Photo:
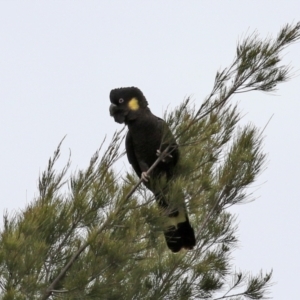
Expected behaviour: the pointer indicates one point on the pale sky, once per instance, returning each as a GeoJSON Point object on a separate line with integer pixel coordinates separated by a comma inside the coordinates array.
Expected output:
{"type": "Point", "coordinates": [60, 59]}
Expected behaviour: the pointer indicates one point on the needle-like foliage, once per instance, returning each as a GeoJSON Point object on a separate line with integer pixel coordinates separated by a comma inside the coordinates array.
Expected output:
{"type": "Point", "coordinates": [102, 238]}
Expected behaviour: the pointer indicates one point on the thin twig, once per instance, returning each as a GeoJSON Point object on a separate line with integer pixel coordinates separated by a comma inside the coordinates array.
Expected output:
{"type": "Point", "coordinates": [161, 157]}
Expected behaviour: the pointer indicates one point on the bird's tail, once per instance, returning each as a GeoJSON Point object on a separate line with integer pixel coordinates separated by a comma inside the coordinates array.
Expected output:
{"type": "Point", "coordinates": [179, 233]}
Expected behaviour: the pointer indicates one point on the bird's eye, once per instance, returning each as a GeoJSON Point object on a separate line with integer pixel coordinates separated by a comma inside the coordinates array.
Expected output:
{"type": "Point", "coordinates": [121, 100]}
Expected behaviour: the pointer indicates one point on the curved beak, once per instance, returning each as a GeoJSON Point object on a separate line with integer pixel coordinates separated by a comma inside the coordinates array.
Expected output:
{"type": "Point", "coordinates": [112, 109]}
{"type": "Point", "coordinates": [117, 113]}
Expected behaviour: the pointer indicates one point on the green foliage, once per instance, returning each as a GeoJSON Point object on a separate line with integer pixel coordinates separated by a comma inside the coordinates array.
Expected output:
{"type": "Point", "coordinates": [102, 239]}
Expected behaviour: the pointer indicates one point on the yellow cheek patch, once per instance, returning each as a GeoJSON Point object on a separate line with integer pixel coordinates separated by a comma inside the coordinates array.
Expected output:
{"type": "Point", "coordinates": [133, 104]}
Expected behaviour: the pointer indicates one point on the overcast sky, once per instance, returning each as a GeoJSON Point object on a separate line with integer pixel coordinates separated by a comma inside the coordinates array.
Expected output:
{"type": "Point", "coordinates": [60, 59]}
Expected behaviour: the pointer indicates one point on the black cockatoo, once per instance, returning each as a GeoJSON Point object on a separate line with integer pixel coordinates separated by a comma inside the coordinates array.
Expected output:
{"type": "Point", "coordinates": [148, 136]}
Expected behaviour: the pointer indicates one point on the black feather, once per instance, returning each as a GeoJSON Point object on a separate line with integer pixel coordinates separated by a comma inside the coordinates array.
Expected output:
{"type": "Point", "coordinates": [147, 134]}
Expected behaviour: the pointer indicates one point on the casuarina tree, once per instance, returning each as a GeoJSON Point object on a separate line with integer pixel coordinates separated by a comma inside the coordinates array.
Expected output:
{"type": "Point", "coordinates": [98, 233]}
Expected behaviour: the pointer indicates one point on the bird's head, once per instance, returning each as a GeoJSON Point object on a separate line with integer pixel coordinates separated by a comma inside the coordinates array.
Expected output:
{"type": "Point", "coordinates": [126, 104]}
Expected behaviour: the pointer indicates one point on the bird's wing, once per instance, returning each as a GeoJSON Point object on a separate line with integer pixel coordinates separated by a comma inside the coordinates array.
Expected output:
{"type": "Point", "coordinates": [131, 154]}
{"type": "Point", "coordinates": [167, 139]}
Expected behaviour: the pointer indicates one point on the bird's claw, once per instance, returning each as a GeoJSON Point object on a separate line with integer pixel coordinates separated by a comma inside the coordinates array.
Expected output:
{"type": "Point", "coordinates": [145, 176]}
{"type": "Point", "coordinates": [166, 157]}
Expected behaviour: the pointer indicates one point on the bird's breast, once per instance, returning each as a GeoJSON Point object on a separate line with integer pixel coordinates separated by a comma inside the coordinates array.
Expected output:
{"type": "Point", "coordinates": [146, 139]}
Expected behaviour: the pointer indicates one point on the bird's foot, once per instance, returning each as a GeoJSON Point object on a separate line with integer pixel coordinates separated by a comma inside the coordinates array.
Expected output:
{"type": "Point", "coordinates": [166, 157]}
{"type": "Point", "coordinates": [145, 176]}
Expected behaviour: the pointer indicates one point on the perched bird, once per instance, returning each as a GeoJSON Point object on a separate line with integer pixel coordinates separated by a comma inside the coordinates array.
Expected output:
{"type": "Point", "coordinates": [148, 136]}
